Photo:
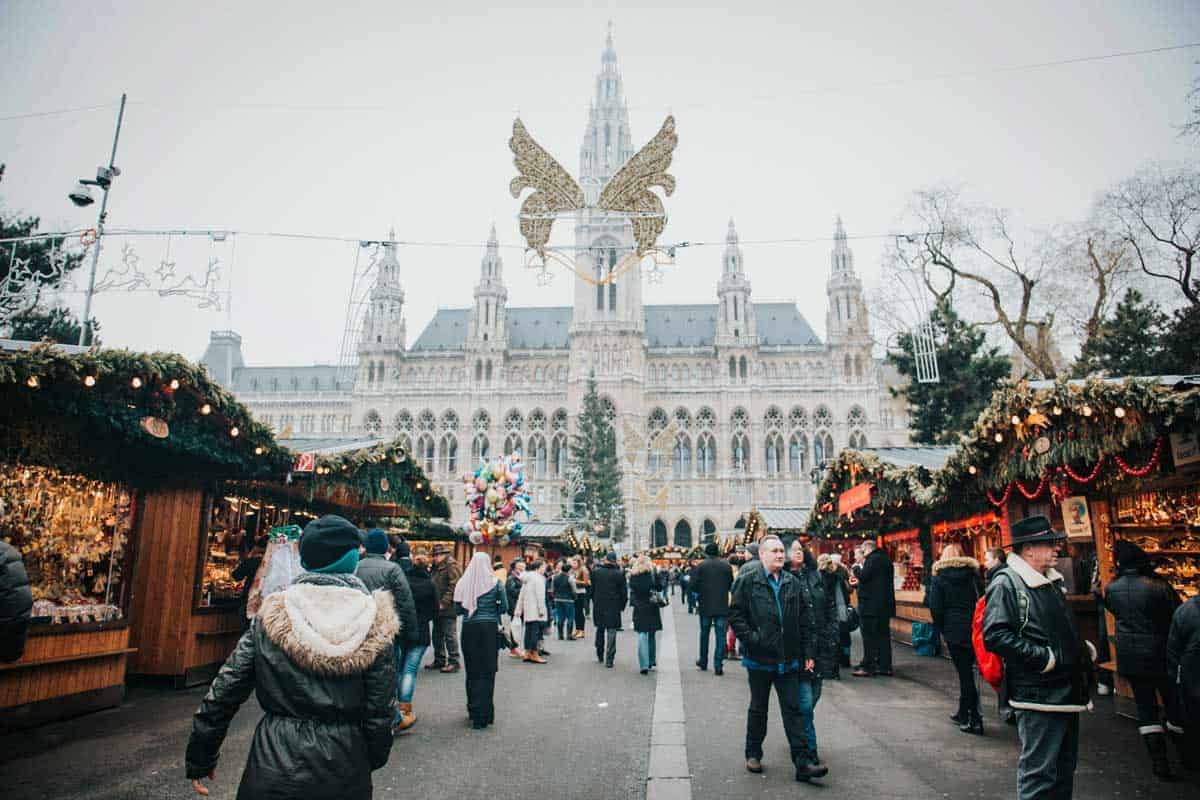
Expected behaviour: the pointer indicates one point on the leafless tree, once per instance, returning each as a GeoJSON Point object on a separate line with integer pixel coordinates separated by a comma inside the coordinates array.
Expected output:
{"type": "Point", "coordinates": [1191, 128]}
{"type": "Point", "coordinates": [1157, 212]}
{"type": "Point", "coordinates": [973, 253]}
{"type": "Point", "coordinates": [1095, 267]}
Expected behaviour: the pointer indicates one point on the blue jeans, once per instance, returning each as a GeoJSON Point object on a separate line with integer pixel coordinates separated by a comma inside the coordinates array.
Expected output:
{"type": "Point", "coordinates": [707, 624]}
{"type": "Point", "coordinates": [646, 646]}
{"type": "Point", "coordinates": [564, 616]}
{"type": "Point", "coordinates": [691, 601]}
{"type": "Point", "coordinates": [408, 664]}
{"type": "Point", "coordinates": [809, 694]}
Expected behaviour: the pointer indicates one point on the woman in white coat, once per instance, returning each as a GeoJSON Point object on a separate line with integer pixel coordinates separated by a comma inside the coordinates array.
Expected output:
{"type": "Point", "coordinates": [531, 608]}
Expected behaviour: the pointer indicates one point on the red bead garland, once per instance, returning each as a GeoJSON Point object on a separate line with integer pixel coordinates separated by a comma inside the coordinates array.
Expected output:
{"type": "Point", "coordinates": [1141, 472]}
{"type": "Point", "coordinates": [1091, 476]}
{"type": "Point", "coordinates": [1037, 492]}
{"type": "Point", "coordinates": [1003, 501]}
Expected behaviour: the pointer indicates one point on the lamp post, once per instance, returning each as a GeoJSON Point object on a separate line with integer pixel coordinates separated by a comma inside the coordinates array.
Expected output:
{"type": "Point", "coordinates": [81, 196]}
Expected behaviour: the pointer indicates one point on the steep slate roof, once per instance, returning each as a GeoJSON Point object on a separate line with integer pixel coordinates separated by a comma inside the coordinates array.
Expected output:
{"type": "Point", "coordinates": [244, 377]}
{"type": "Point", "coordinates": [666, 326]}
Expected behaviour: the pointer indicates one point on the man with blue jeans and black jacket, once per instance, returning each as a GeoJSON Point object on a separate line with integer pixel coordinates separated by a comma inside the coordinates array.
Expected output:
{"type": "Point", "coordinates": [711, 582]}
{"type": "Point", "coordinates": [1047, 667]}
{"type": "Point", "coordinates": [775, 624]}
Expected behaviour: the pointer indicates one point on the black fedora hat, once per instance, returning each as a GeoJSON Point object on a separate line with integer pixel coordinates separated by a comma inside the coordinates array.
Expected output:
{"type": "Point", "coordinates": [1034, 529]}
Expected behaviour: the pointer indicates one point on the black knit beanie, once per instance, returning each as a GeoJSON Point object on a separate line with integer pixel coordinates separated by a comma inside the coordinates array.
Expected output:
{"type": "Point", "coordinates": [327, 539]}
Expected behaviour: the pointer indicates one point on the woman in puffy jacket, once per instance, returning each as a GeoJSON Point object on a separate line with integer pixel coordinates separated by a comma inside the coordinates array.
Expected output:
{"type": "Point", "coordinates": [319, 658]}
{"type": "Point", "coordinates": [1143, 604]}
{"type": "Point", "coordinates": [953, 590]}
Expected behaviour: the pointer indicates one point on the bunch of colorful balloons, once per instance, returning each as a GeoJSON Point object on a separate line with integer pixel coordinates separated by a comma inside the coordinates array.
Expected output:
{"type": "Point", "coordinates": [494, 494]}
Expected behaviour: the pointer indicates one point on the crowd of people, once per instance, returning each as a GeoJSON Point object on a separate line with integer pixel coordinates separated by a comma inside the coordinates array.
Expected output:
{"type": "Point", "coordinates": [334, 658]}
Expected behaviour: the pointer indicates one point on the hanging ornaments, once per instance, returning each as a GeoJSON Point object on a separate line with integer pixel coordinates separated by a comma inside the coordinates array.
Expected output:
{"type": "Point", "coordinates": [494, 494]}
{"type": "Point", "coordinates": [1141, 472]}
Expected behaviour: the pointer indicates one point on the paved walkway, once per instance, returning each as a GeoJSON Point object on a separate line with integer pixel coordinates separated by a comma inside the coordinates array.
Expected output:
{"type": "Point", "coordinates": [573, 729]}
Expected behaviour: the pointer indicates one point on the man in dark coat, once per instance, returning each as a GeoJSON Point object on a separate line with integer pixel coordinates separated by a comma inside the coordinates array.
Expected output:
{"type": "Point", "coordinates": [610, 594]}
{"type": "Point", "coordinates": [1183, 665]}
{"type": "Point", "coordinates": [711, 582]}
{"type": "Point", "coordinates": [326, 710]}
{"type": "Point", "coordinates": [1143, 604]}
{"type": "Point", "coordinates": [16, 603]}
{"type": "Point", "coordinates": [1047, 667]}
{"type": "Point", "coordinates": [775, 625]}
{"type": "Point", "coordinates": [445, 630]}
{"type": "Point", "coordinates": [377, 571]}
{"type": "Point", "coordinates": [876, 607]}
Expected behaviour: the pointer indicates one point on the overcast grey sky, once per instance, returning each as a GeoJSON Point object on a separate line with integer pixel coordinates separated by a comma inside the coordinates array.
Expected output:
{"type": "Point", "coordinates": [303, 118]}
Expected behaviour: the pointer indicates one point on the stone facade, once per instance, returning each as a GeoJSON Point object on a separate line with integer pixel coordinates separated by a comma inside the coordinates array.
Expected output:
{"type": "Point", "coordinates": [757, 398]}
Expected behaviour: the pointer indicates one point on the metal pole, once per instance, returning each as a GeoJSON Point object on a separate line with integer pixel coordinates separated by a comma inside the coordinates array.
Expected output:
{"type": "Point", "coordinates": [91, 289]}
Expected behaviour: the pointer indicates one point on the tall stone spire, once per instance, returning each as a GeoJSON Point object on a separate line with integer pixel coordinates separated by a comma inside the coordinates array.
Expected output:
{"type": "Point", "coordinates": [381, 346]}
{"type": "Point", "coordinates": [607, 143]}
{"type": "Point", "coordinates": [735, 319]}
{"type": "Point", "coordinates": [486, 329]}
{"type": "Point", "coordinates": [841, 259]}
{"type": "Point", "coordinates": [846, 319]}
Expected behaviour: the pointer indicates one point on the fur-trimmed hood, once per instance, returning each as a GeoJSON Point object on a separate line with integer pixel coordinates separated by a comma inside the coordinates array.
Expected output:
{"type": "Point", "coordinates": [955, 561]}
{"type": "Point", "coordinates": [330, 630]}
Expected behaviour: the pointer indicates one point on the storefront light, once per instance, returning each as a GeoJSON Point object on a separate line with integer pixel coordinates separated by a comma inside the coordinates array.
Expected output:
{"type": "Point", "coordinates": [89, 381]}
{"type": "Point", "coordinates": [136, 382]}
{"type": "Point", "coordinates": [32, 382]}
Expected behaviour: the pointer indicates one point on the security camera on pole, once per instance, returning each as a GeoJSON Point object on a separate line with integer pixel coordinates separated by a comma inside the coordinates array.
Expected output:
{"type": "Point", "coordinates": [81, 196]}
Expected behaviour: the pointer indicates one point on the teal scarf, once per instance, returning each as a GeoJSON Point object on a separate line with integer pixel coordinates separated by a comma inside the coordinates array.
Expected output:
{"type": "Point", "coordinates": [343, 566]}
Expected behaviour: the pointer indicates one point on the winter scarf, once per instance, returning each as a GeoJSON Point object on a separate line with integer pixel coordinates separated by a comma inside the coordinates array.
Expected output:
{"type": "Point", "coordinates": [475, 582]}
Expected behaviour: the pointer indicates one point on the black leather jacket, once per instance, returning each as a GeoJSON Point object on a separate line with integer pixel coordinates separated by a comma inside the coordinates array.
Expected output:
{"type": "Point", "coordinates": [16, 600]}
{"type": "Point", "coordinates": [1028, 623]}
{"type": "Point", "coordinates": [1142, 605]}
{"type": "Point", "coordinates": [756, 621]}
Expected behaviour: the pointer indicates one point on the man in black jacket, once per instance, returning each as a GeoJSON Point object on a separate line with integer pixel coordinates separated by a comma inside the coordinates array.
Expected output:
{"type": "Point", "coordinates": [776, 626]}
{"type": "Point", "coordinates": [610, 594]}
{"type": "Point", "coordinates": [711, 582]}
{"type": "Point", "coordinates": [1028, 623]}
{"type": "Point", "coordinates": [876, 607]}
{"type": "Point", "coordinates": [16, 603]}
{"type": "Point", "coordinates": [377, 571]}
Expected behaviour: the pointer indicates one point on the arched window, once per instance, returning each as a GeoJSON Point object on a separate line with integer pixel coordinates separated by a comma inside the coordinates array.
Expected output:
{"type": "Point", "coordinates": [797, 453]}
{"type": "Point", "coordinates": [512, 421]}
{"type": "Point", "coordinates": [372, 423]}
{"type": "Point", "coordinates": [512, 444]}
{"type": "Point", "coordinates": [448, 453]}
{"type": "Point", "coordinates": [450, 422]}
{"type": "Point", "coordinates": [858, 440]}
{"type": "Point", "coordinates": [822, 448]}
{"type": "Point", "coordinates": [846, 366]}
{"type": "Point", "coordinates": [681, 457]}
{"type": "Point", "coordinates": [426, 421]}
{"type": "Point", "coordinates": [742, 368]}
{"type": "Point", "coordinates": [655, 423]}
{"type": "Point", "coordinates": [425, 452]}
{"type": "Point", "coordinates": [706, 455]}
{"type": "Point", "coordinates": [481, 421]}
{"type": "Point", "coordinates": [558, 422]}
{"type": "Point", "coordinates": [857, 418]}
{"type": "Point", "coordinates": [404, 422]}
{"type": "Point", "coordinates": [706, 420]}
{"type": "Point", "coordinates": [537, 420]}
{"type": "Point", "coordinates": [538, 455]}
{"type": "Point", "coordinates": [858, 368]}
{"type": "Point", "coordinates": [774, 454]}
{"type": "Point", "coordinates": [683, 533]}
{"type": "Point", "coordinates": [683, 419]}
{"type": "Point", "coordinates": [773, 419]}
{"type": "Point", "coordinates": [739, 448]}
{"type": "Point", "coordinates": [732, 368]}
{"type": "Point", "coordinates": [478, 370]}
{"type": "Point", "coordinates": [558, 455]}
{"type": "Point", "coordinates": [708, 531]}
{"type": "Point", "coordinates": [798, 418]}
{"type": "Point", "coordinates": [608, 407]}
{"type": "Point", "coordinates": [371, 372]}
{"type": "Point", "coordinates": [480, 448]}
{"type": "Point", "coordinates": [658, 534]}
{"type": "Point", "coordinates": [823, 418]}
{"type": "Point", "coordinates": [487, 372]}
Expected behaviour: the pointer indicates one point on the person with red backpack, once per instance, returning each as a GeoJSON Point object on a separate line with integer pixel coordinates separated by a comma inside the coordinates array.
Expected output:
{"type": "Point", "coordinates": [953, 590]}
{"type": "Point", "coordinates": [1047, 666]}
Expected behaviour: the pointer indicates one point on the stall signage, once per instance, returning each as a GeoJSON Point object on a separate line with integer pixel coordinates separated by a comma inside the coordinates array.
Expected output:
{"type": "Point", "coordinates": [305, 462]}
{"type": "Point", "coordinates": [1185, 448]}
{"type": "Point", "coordinates": [854, 498]}
{"type": "Point", "coordinates": [1076, 520]}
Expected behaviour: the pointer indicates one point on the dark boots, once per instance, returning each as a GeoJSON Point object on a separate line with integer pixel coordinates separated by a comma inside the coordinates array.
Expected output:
{"type": "Point", "coordinates": [1156, 745]}
{"type": "Point", "coordinates": [807, 768]}
{"type": "Point", "coordinates": [973, 723]}
{"type": "Point", "coordinates": [1189, 756]}
{"type": "Point", "coordinates": [963, 715]}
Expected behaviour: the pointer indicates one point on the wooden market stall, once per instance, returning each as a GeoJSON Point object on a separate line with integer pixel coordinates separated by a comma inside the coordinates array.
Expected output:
{"type": "Point", "coordinates": [103, 456]}
{"type": "Point", "coordinates": [1104, 460]}
{"type": "Point", "coordinates": [549, 540]}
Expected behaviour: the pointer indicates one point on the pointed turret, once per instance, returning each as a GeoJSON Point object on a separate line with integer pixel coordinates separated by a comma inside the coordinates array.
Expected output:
{"type": "Point", "coordinates": [607, 142]}
{"type": "Point", "coordinates": [847, 326]}
{"type": "Point", "coordinates": [735, 322]}
{"type": "Point", "coordinates": [381, 346]}
{"type": "Point", "coordinates": [486, 329]}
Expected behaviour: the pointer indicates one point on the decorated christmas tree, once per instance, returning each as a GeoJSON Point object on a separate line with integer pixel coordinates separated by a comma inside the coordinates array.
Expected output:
{"type": "Point", "coordinates": [593, 452]}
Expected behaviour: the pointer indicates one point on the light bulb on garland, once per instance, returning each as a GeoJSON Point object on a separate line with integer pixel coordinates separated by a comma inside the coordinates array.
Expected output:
{"type": "Point", "coordinates": [974, 470]}
{"type": "Point", "coordinates": [999, 437]}
{"type": "Point", "coordinates": [1119, 412]}
{"type": "Point", "coordinates": [234, 431]}
{"type": "Point", "coordinates": [1086, 410]}
{"type": "Point", "coordinates": [174, 384]}
{"type": "Point", "coordinates": [136, 382]}
{"type": "Point", "coordinates": [89, 381]}
{"type": "Point", "coordinates": [258, 451]}
{"type": "Point", "coordinates": [1057, 411]}
{"type": "Point", "coordinates": [1015, 420]}
{"type": "Point", "coordinates": [205, 410]}
{"type": "Point", "coordinates": [32, 382]}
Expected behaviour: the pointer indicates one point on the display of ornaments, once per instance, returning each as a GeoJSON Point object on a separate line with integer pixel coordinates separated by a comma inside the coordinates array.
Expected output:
{"type": "Point", "coordinates": [494, 494]}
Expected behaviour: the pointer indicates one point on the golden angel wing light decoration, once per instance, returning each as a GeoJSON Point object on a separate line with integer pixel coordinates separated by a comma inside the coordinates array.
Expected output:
{"type": "Point", "coordinates": [627, 193]}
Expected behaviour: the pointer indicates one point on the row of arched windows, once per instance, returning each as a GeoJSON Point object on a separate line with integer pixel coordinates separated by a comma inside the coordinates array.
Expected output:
{"type": "Point", "coordinates": [682, 533]}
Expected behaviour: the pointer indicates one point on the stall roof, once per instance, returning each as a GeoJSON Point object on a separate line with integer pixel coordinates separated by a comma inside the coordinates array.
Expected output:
{"type": "Point", "coordinates": [544, 530]}
{"type": "Point", "coordinates": [784, 517]}
{"type": "Point", "coordinates": [1176, 381]}
{"type": "Point", "coordinates": [931, 457]}
{"type": "Point", "coordinates": [328, 447]}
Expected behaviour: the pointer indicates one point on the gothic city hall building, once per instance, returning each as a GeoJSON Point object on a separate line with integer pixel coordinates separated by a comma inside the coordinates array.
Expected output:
{"type": "Point", "coordinates": [754, 399]}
